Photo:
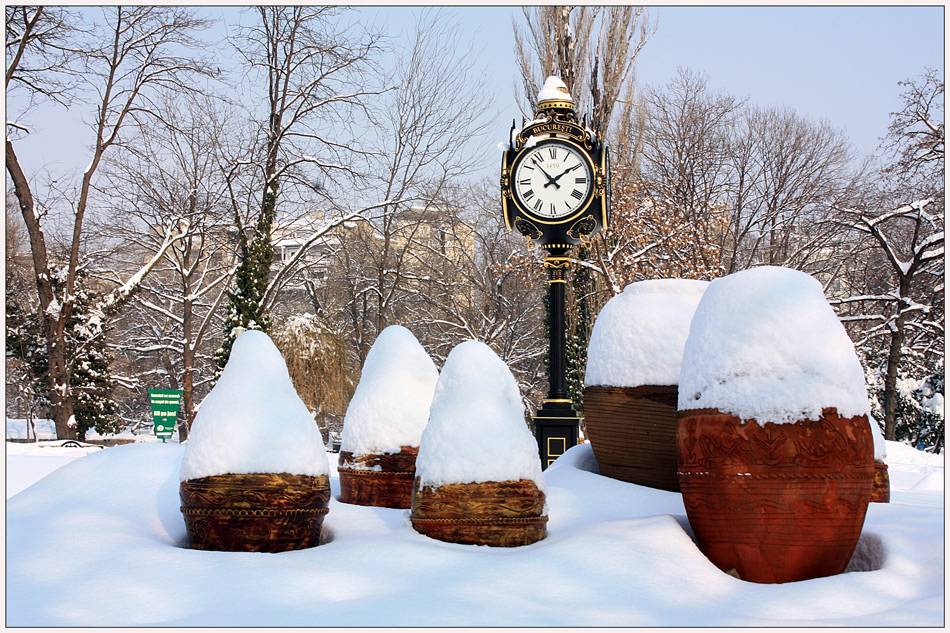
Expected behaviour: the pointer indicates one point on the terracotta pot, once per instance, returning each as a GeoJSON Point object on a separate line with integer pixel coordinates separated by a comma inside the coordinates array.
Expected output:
{"type": "Point", "coordinates": [633, 433]}
{"type": "Point", "coordinates": [388, 487]}
{"type": "Point", "coordinates": [775, 502]}
{"type": "Point", "coordinates": [881, 491]}
{"type": "Point", "coordinates": [264, 512]}
{"type": "Point", "coordinates": [499, 514]}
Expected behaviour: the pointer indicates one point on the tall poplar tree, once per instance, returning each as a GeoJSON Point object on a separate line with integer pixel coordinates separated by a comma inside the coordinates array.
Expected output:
{"type": "Point", "coordinates": [593, 50]}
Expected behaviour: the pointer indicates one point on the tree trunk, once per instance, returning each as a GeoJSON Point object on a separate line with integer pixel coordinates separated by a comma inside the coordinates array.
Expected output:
{"type": "Point", "coordinates": [188, 381]}
{"type": "Point", "coordinates": [60, 396]}
{"type": "Point", "coordinates": [893, 361]}
{"type": "Point", "coordinates": [53, 321]}
{"type": "Point", "coordinates": [187, 398]}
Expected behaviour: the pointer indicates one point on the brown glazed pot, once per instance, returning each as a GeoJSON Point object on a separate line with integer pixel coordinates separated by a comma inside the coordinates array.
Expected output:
{"type": "Point", "coordinates": [633, 433]}
{"type": "Point", "coordinates": [495, 513]}
{"type": "Point", "coordinates": [390, 487]}
{"type": "Point", "coordinates": [262, 512]}
{"type": "Point", "coordinates": [881, 491]}
{"type": "Point", "coordinates": [775, 502]}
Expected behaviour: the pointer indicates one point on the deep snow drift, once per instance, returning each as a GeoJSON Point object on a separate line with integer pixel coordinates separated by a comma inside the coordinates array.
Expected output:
{"type": "Point", "coordinates": [95, 543]}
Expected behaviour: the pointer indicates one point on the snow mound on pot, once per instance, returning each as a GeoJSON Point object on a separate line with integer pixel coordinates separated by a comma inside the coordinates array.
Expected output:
{"type": "Point", "coordinates": [477, 429]}
{"type": "Point", "coordinates": [639, 335]}
{"type": "Point", "coordinates": [253, 421]}
{"type": "Point", "coordinates": [391, 405]}
{"type": "Point", "coordinates": [765, 344]}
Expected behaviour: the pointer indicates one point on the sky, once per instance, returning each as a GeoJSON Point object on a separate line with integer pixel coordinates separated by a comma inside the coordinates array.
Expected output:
{"type": "Point", "coordinates": [839, 63]}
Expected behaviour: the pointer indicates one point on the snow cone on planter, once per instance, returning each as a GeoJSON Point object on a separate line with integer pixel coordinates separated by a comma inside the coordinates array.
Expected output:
{"type": "Point", "coordinates": [255, 475]}
{"type": "Point", "coordinates": [633, 368]}
{"type": "Point", "coordinates": [385, 420]}
{"type": "Point", "coordinates": [478, 477]}
{"type": "Point", "coordinates": [775, 452]}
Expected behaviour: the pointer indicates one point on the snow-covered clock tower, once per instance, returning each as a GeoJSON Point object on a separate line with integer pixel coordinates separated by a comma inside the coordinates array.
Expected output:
{"type": "Point", "coordinates": [555, 191]}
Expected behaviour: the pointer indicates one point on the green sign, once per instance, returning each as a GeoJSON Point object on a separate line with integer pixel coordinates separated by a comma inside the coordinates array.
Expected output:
{"type": "Point", "coordinates": [165, 403]}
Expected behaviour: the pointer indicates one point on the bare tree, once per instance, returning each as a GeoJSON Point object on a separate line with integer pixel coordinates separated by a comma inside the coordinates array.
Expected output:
{"type": "Point", "coordinates": [469, 284]}
{"type": "Point", "coordinates": [171, 173]}
{"type": "Point", "coordinates": [40, 53]}
{"type": "Point", "coordinates": [119, 64]}
{"type": "Point", "coordinates": [302, 64]}
{"type": "Point", "coordinates": [902, 304]}
{"type": "Point", "coordinates": [686, 143]}
{"type": "Point", "coordinates": [425, 132]}
{"type": "Point", "coordinates": [592, 49]}
{"type": "Point", "coordinates": [787, 173]}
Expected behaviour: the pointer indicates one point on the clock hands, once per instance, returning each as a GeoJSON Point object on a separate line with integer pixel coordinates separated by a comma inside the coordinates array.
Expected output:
{"type": "Point", "coordinates": [556, 178]}
{"type": "Point", "coordinates": [551, 181]}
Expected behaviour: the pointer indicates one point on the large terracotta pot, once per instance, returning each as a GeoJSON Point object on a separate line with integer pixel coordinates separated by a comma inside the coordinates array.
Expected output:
{"type": "Point", "coordinates": [881, 491]}
{"type": "Point", "coordinates": [389, 487]}
{"type": "Point", "coordinates": [633, 433]}
{"type": "Point", "coordinates": [271, 512]}
{"type": "Point", "coordinates": [499, 514]}
{"type": "Point", "coordinates": [775, 502]}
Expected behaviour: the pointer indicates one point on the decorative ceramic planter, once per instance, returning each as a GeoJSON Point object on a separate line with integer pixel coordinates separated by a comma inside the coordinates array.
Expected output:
{"type": "Point", "coordinates": [389, 487]}
{"type": "Point", "coordinates": [633, 433]}
{"type": "Point", "coordinates": [263, 512]}
{"type": "Point", "coordinates": [499, 514]}
{"type": "Point", "coordinates": [881, 491]}
{"type": "Point", "coordinates": [775, 503]}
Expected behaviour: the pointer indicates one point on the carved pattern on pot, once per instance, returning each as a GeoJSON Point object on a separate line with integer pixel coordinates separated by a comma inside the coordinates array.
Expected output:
{"type": "Point", "coordinates": [632, 431]}
{"type": "Point", "coordinates": [259, 512]}
{"type": "Point", "coordinates": [499, 514]}
{"type": "Point", "coordinates": [775, 502]}
{"type": "Point", "coordinates": [390, 487]}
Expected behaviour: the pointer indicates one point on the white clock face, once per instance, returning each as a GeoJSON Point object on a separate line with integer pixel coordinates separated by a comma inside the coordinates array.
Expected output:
{"type": "Point", "coordinates": [552, 180]}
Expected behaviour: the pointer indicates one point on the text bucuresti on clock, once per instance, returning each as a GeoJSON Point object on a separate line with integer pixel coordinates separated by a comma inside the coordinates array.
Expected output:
{"type": "Point", "coordinates": [555, 183]}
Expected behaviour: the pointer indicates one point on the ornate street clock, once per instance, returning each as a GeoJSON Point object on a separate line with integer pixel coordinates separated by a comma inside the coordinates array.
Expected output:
{"type": "Point", "coordinates": [555, 182]}
{"type": "Point", "coordinates": [555, 191]}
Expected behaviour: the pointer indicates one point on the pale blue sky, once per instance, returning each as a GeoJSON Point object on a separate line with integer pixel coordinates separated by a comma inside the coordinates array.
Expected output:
{"type": "Point", "coordinates": [838, 63]}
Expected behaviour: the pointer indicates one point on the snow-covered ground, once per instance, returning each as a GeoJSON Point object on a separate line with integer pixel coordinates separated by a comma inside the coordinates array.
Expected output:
{"type": "Point", "coordinates": [96, 542]}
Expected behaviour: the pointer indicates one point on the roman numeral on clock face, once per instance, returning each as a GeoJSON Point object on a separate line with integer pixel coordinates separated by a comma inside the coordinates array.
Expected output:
{"type": "Point", "coordinates": [577, 194]}
{"type": "Point", "coordinates": [553, 153]}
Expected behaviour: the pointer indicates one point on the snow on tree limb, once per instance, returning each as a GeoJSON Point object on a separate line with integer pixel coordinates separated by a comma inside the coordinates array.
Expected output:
{"type": "Point", "coordinates": [132, 283]}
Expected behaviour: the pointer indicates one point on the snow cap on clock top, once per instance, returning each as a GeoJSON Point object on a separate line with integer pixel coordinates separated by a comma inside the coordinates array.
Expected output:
{"type": "Point", "coordinates": [554, 90]}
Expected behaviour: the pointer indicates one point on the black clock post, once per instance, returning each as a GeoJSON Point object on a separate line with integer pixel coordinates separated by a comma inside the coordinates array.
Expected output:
{"type": "Point", "coordinates": [555, 187]}
{"type": "Point", "coordinates": [556, 422]}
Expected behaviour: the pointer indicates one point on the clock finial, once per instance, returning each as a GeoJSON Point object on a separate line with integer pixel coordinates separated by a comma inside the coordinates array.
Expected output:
{"type": "Point", "coordinates": [555, 95]}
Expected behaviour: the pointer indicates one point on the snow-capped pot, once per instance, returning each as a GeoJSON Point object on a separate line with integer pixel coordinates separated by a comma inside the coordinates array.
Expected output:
{"type": "Point", "coordinates": [633, 367]}
{"type": "Point", "coordinates": [384, 421]}
{"type": "Point", "coordinates": [255, 474]}
{"type": "Point", "coordinates": [478, 476]}
{"type": "Point", "coordinates": [775, 451]}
